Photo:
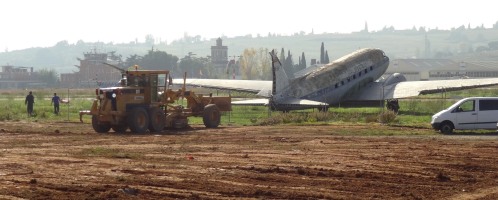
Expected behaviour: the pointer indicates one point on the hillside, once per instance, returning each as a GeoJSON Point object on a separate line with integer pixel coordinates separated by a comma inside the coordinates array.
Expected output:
{"type": "Point", "coordinates": [396, 43]}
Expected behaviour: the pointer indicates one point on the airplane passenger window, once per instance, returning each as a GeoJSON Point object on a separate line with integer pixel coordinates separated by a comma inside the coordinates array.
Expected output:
{"type": "Point", "coordinates": [366, 71]}
{"type": "Point", "coordinates": [359, 74]}
{"type": "Point", "coordinates": [336, 85]}
{"type": "Point", "coordinates": [354, 76]}
{"type": "Point", "coordinates": [371, 68]}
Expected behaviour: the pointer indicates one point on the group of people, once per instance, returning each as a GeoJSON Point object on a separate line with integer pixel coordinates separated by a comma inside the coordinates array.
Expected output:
{"type": "Point", "coordinates": [30, 101]}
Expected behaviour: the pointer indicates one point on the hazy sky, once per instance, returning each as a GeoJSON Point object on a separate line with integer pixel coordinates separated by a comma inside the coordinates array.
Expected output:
{"type": "Point", "coordinates": [43, 23]}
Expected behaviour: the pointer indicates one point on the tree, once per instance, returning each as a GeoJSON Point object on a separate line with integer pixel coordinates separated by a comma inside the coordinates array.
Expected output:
{"type": "Point", "coordinates": [247, 63]}
{"type": "Point", "coordinates": [48, 76]}
{"type": "Point", "coordinates": [255, 64]}
{"type": "Point", "coordinates": [133, 60]}
{"type": "Point", "coordinates": [326, 58]}
{"type": "Point", "coordinates": [302, 63]}
{"type": "Point", "coordinates": [195, 67]}
{"type": "Point", "coordinates": [114, 57]}
{"type": "Point", "coordinates": [289, 65]}
{"type": "Point", "coordinates": [322, 53]}
{"type": "Point", "coordinates": [282, 55]}
{"type": "Point", "coordinates": [493, 45]}
{"type": "Point", "coordinates": [265, 64]}
{"type": "Point", "coordinates": [303, 59]}
{"type": "Point", "coordinates": [62, 43]}
{"type": "Point", "coordinates": [158, 60]}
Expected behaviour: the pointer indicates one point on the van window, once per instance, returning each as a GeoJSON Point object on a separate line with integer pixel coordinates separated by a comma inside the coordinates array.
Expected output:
{"type": "Point", "coordinates": [467, 106]}
{"type": "Point", "coordinates": [488, 104]}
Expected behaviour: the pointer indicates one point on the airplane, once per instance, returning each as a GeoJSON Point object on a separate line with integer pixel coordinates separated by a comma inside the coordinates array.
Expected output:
{"type": "Point", "coordinates": [351, 78]}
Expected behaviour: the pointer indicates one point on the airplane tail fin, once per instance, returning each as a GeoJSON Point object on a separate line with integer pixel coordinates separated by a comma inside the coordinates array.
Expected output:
{"type": "Point", "coordinates": [280, 79]}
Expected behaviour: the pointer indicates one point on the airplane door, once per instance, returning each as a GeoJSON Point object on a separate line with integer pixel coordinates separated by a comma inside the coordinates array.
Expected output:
{"type": "Point", "coordinates": [466, 115]}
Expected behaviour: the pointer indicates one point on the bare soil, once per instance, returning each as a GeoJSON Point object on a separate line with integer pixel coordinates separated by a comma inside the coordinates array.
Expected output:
{"type": "Point", "coordinates": [71, 161]}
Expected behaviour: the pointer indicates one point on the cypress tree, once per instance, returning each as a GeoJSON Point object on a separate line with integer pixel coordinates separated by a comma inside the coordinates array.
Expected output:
{"type": "Point", "coordinates": [322, 54]}
{"type": "Point", "coordinates": [289, 65]}
{"type": "Point", "coordinates": [326, 59]}
{"type": "Point", "coordinates": [282, 56]}
{"type": "Point", "coordinates": [303, 61]}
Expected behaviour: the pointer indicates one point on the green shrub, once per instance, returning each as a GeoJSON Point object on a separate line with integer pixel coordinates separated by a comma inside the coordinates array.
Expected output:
{"type": "Point", "coordinates": [387, 117]}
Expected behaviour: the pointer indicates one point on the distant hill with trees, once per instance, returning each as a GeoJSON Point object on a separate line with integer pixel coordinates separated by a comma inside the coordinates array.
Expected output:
{"type": "Point", "coordinates": [192, 53]}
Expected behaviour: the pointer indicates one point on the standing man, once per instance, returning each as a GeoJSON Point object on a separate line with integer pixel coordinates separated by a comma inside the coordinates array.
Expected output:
{"type": "Point", "coordinates": [55, 102]}
{"type": "Point", "coordinates": [30, 100]}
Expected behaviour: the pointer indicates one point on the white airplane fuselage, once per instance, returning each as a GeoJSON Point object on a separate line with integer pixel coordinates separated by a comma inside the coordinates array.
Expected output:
{"type": "Point", "coordinates": [333, 82]}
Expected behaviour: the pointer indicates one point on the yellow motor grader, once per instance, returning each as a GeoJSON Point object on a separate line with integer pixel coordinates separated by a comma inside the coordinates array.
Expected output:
{"type": "Point", "coordinates": [145, 102]}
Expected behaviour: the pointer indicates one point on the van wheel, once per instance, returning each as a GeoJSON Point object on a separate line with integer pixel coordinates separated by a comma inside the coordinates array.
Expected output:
{"type": "Point", "coordinates": [446, 128]}
{"type": "Point", "coordinates": [211, 116]}
{"type": "Point", "coordinates": [138, 120]}
{"type": "Point", "coordinates": [99, 127]}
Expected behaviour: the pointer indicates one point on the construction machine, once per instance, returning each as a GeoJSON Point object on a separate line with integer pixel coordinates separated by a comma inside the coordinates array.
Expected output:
{"type": "Point", "coordinates": [145, 102]}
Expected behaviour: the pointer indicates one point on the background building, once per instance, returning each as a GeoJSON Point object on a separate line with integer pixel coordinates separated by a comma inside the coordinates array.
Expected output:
{"type": "Point", "coordinates": [219, 56]}
{"type": "Point", "coordinates": [18, 77]}
{"type": "Point", "coordinates": [93, 72]}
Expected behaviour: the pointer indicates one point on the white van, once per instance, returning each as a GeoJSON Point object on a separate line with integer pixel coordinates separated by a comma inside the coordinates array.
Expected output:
{"type": "Point", "coordinates": [467, 114]}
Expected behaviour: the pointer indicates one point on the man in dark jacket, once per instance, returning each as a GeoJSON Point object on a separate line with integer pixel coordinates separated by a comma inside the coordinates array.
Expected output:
{"type": "Point", "coordinates": [30, 100]}
{"type": "Point", "coordinates": [55, 101]}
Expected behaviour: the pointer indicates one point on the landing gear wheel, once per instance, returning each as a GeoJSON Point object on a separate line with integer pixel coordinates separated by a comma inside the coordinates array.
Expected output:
{"type": "Point", "coordinates": [99, 127]}
{"type": "Point", "coordinates": [446, 128]}
{"type": "Point", "coordinates": [211, 116]}
{"type": "Point", "coordinates": [138, 120]}
{"type": "Point", "coordinates": [120, 128]}
{"type": "Point", "coordinates": [157, 119]}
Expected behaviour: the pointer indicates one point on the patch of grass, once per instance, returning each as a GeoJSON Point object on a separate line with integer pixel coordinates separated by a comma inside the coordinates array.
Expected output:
{"type": "Point", "coordinates": [413, 112]}
{"type": "Point", "coordinates": [13, 108]}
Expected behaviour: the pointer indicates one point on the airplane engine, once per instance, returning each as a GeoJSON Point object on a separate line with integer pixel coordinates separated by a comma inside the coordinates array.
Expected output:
{"type": "Point", "coordinates": [394, 78]}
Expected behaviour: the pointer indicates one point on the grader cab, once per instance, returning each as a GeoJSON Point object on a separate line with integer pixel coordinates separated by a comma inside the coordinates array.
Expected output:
{"type": "Point", "coordinates": [145, 102]}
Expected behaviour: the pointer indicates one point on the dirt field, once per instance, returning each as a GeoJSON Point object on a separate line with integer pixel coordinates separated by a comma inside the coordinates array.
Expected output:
{"type": "Point", "coordinates": [70, 161]}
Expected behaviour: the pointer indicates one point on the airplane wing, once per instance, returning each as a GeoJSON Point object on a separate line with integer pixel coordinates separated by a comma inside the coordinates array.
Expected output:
{"type": "Point", "coordinates": [286, 104]}
{"type": "Point", "coordinates": [292, 101]}
{"type": "Point", "coordinates": [377, 91]}
{"type": "Point", "coordinates": [262, 88]}
{"type": "Point", "coordinates": [251, 102]}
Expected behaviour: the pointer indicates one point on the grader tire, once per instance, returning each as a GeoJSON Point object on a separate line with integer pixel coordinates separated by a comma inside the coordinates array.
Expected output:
{"type": "Point", "coordinates": [99, 127]}
{"type": "Point", "coordinates": [211, 116]}
{"type": "Point", "coordinates": [138, 120]}
{"type": "Point", "coordinates": [119, 128]}
{"type": "Point", "coordinates": [157, 119]}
